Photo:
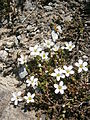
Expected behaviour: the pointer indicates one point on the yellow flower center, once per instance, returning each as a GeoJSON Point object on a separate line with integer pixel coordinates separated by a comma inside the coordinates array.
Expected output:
{"type": "Point", "coordinates": [32, 81]}
{"type": "Point", "coordinates": [48, 43]}
{"type": "Point", "coordinates": [35, 50]}
{"type": "Point", "coordinates": [30, 98]}
{"type": "Point", "coordinates": [70, 47]}
{"type": "Point", "coordinates": [81, 66]}
{"type": "Point", "coordinates": [44, 55]}
{"type": "Point", "coordinates": [59, 87]}
{"type": "Point", "coordinates": [58, 74]}
{"type": "Point", "coordinates": [68, 71]}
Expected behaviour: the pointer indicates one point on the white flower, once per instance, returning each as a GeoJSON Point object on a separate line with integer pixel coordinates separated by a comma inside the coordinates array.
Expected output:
{"type": "Point", "coordinates": [33, 81]}
{"type": "Point", "coordinates": [60, 88]}
{"type": "Point", "coordinates": [22, 59]}
{"type": "Point", "coordinates": [55, 48]}
{"type": "Point", "coordinates": [48, 43]}
{"type": "Point", "coordinates": [59, 29]}
{"type": "Point", "coordinates": [29, 97]}
{"type": "Point", "coordinates": [54, 35]}
{"type": "Point", "coordinates": [81, 65]}
{"type": "Point", "coordinates": [58, 73]}
{"type": "Point", "coordinates": [69, 46]}
{"type": "Point", "coordinates": [35, 50]}
{"type": "Point", "coordinates": [68, 70]}
{"type": "Point", "coordinates": [16, 97]}
{"type": "Point", "coordinates": [44, 55]}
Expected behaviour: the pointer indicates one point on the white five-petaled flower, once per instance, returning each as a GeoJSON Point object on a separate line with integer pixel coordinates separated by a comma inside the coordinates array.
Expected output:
{"type": "Point", "coordinates": [69, 46]}
{"type": "Point", "coordinates": [22, 59]}
{"type": "Point", "coordinates": [16, 97]}
{"type": "Point", "coordinates": [44, 55]}
{"type": "Point", "coordinates": [32, 81]}
{"type": "Point", "coordinates": [60, 88]}
{"type": "Point", "coordinates": [55, 48]}
{"type": "Point", "coordinates": [29, 97]}
{"type": "Point", "coordinates": [35, 50]}
{"type": "Point", "coordinates": [58, 73]}
{"type": "Point", "coordinates": [48, 43]}
{"type": "Point", "coordinates": [81, 65]}
{"type": "Point", "coordinates": [54, 35]}
{"type": "Point", "coordinates": [68, 70]}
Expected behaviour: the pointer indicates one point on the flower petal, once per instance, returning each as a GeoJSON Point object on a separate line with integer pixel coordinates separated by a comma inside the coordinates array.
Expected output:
{"type": "Point", "coordinates": [77, 64]}
{"type": "Point", "coordinates": [56, 85]}
{"type": "Point", "coordinates": [25, 97]}
{"type": "Point", "coordinates": [32, 100]}
{"type": "Point", "coordinates": [62, 91]}
{"type": "Point", "coordinates": [32, 77]}
{"type": "Point", "coordinates": [85, 68]}
{"type": "Point", "coordinates": [54, 36]}
{"type": "Point", "coordinates": [31, 48]}
{"type": "Point", "coordinates": [71, 72]}
{"type": "Point", "coordinates": [62, 76]}
{"type": "Point", "coordinates": [58, 78]}
{"type": "Point", "coordinates": [61, 83]}
{"type": "Point", "coordinates": [85, 64]}
{"type": "Point", "coordinates": [57, 91]}
{"type": "Point", "coordinates": [79, 70]}
{"type": "Point", "coordinates": [12, 99]}
{"type": "Point", "coordinates": [53, 74]}
{"type": "Point", "coordinates": [28, 94]}
{"type": "Point", "coordinates": [66, 43]}
{"type": "Point", "coordinates": [80, 61]}
{"type": "Point", "coordinates": [70, 43]}
{"type": "Point", "coordinates": [70, 67]}
{"type": "Point", "coordinates": [28, 101]}
{"type": "Point", "coordinates": [67, 74]}
{"type": "Point", "coordinates": [56, 71]}
{"type": "Point", "coordinates": [36, 79]}
{"type": "Point", "coordinates": [16, 102]}
{"type": "Point", "coordinates": [65, 67]}
{"type": "Point", "coordinates": [64, 87]}
{"type": "Point", "coordinates": [33, 95]}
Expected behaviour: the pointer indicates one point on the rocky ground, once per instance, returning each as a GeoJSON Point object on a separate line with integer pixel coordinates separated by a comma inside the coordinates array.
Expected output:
{"type": "Point", "coordinates": [28, 29]}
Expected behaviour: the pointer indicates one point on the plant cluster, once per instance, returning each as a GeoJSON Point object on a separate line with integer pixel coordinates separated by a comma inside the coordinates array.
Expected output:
{"type": "Point", "coordinates": [56, 81]}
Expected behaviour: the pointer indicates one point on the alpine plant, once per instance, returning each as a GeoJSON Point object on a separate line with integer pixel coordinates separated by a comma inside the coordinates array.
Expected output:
{"type": "Point", "coordinates": [49, 76]}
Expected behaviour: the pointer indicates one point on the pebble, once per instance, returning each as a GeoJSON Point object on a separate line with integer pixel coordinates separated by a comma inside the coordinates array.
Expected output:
{"type": "Point", "coordinates": [10, 44]}
{"type": "Point", "coordinates": [48, 8]}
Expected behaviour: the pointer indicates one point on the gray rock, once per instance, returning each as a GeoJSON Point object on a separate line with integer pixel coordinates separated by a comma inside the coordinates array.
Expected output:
{"type": "Point", "coordinates": [29, 6]}
{"type": "Point", "coordinates": [7, 111]}
{"type": "Point", "coordinates": [10, 44]}
{"type": "Point", "coordinates": [22, 72]}
{"type": "Point", "coordinates": [48, 8]}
